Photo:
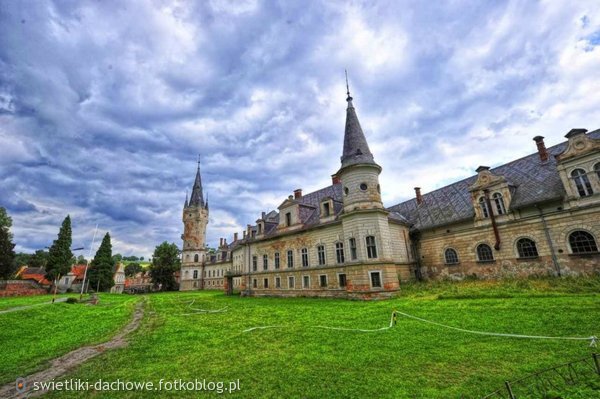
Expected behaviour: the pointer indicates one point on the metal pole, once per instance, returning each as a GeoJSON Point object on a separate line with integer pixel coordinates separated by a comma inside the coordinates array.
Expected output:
{"type": "Point", "coordinates": [510, 392]}
{"type": "Point", "coordinates": [87, 263]}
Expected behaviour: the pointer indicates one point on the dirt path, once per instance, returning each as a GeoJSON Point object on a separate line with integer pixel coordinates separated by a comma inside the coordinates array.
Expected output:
{"type": "Point", "coordinates": [65, 363]}
{"type": "Point", "coordinates": [15, 309]}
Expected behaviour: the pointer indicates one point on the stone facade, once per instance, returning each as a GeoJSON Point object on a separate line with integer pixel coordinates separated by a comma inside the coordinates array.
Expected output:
{"type": "Point", "coordinates": [539, 215]}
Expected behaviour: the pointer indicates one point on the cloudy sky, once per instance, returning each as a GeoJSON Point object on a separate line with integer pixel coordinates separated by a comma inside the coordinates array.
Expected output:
{"type": "Point", "coordinates": [105, 106]}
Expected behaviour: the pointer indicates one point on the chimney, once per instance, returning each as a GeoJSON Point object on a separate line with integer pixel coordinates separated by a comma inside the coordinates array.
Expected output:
{"type": "Point", "coordinates": [220, 242]}
{"type": "Point", "coordinates": [335, 179]}
{"type": "Point", "coordinates": [225, 241]}
{"type": "Point", "coordinates": [244, 234]}
{"type": "Point", "coordinates": [235, 236]}
{"type": "Point", "coordinates": [482, 168]}
{"type": "Point", "coordinates": [262, 216]}
{"type": "Point", "coordinates": [297, 193]}
{"type": "Point", "coordinates": [418, 195]}
{"type": "Point", "coordinates": [539, 140]}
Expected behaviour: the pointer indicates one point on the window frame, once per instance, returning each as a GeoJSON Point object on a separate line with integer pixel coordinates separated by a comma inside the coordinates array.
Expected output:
{"type": "Point", "coordinates": [339, 253]}
{"type": "Point", "coordinates": [499, 203]}
{"type": "Point", "coordinates": [485, 211]}
{"type": "Point", "coordinates": [321, 281]}
{"type": "Point", "coordinates": [304, 280]}
{"type": "Point", "coordinates": [265, 262]}
{"type": "Point", "coordinates": [477, 253]}
{"type": "Point", "coordinates": [290, 259]}
{"type": "Point", "coordinates": [593, 244]}
{"type": "Point", "coordinates": [277, 260]}
{"type": "Point", "coordinates": [321, 255]}
{"type": "Point", "coordinates": [353, 249]}
{"type": "Point", "coordinates": [522, 251]}
{"type": "Point", "coordinates": [266, 283]}
{"type": "Point", "coordinates": [254, 263]}
{"type": "Point", "coordinates": [446, 262]}
{"type": "Point", "coordinates": [371, 274]}
{"type": "Point", "coordinates": [371, 247]}
{"type": "Point", "coordinates": [278, 282]}
{"type": "Point", "coordinates": [304, 257]}
{"type": "Point", "coordinates": [291, 282]}
{"type": "Point", "coordinates": [582, 182]}
{"type": "Point", "coordinates": [340, 280]}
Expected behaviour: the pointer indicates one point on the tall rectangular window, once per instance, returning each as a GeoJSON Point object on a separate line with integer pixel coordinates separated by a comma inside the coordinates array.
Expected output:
{"type": "Point", "coordinates": [277, 282]}
{"type": "Point", "coordinates": [195, 274]}
{"type": "Point", "coordinates": [304, 253]}
{"type": "Point", "coordinates": [254, 263]}
{"type": "Point", "coordinates": [321, 253]}
{"type": "Point", "coordinates": [265, 262]}
{"type": "Point", "coordinates": [305, 281]}
{"type": "Point", "coordinates": [288, 219]}
{"type": "Point", "coordinates": [353, 255]}
{"type": "Point", "coordinates": [266, 283]}
{"type": "Point", "coordinates": [254, 283]}
{"type": "Point", "coordinates": [342, 280]}
{"type": "Point", "coordinates": [371, 247]}
{"type": "Point", "coordinates": [290, 258]}
{"type": "Point", "coordinates": [291, 282]}
{"type": "Point", "coordinates": [376, 279]}
{"type": "Point", "coordinates": [339, 252]}
{"type": "Point", "coordinates": [276, 260]}
{"type": "Point", "coordinates": [326, 209]}
{"type": "Point", "coordinates": [323, 280]}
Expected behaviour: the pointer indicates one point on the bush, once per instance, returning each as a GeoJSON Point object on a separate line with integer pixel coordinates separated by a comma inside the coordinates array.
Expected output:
{"type": "Point", "coordinates": [72, 300]}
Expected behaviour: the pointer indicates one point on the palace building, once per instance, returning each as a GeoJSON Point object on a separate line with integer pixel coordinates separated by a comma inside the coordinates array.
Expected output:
{"type": "Point", "coordinates": [538, 215]}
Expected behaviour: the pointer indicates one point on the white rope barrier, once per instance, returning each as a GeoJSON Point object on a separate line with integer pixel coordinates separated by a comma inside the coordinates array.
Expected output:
{"type": "Point", "coordinates": [202, 311]}
{"type": "Point", "coordinates": [392, 319]}
{"type": "Point", "coordinates": [592, 338]}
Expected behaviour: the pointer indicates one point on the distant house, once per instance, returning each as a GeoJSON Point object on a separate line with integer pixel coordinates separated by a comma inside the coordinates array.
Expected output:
{"type": "Point", "coordinates": [119, 279]}
{"type": "Point", "coordinates": [37, 274]}
{"type": "Point", "coordinates": [73, 280]}
{"type": "Point", "coordinates": [139, 283]}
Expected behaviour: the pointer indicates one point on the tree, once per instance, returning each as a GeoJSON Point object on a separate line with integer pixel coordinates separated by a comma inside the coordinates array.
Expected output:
{"type": "Point", "coordinates": [165, 263]}
{"type": "Point", "coordinates": [7, 253]}
{"type": "Point", "coordinates": [39, 259]}
{"type": "Point", "coordinates": [22, 259]}
{"type": "Point", "coordinates": [81, 260]}
{"type": "Point", "coordinates": [60, 255]}
{"type": "Point", "coordinates": [117, 258]}
{"type": "Point", "coordinates": [102, 267]}
{"type": "Point", "coordinates": [132, 269]}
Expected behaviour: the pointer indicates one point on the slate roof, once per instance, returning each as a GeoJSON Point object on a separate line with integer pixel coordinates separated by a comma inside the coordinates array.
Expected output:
{"type": "Point", "coordinates": [533, 182]}
{"type": "Point", "coordinates": [356, 149]}
{"type": "Point", "coordinates": [197, 199]}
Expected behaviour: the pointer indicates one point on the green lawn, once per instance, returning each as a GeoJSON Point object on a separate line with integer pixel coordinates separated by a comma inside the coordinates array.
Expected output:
{"type": "Point", "coordinates": [13, 302]}
{"type": "Point", "coordinates": [32, 337]}
{"type": "Point", "coordinates": [411, 360]}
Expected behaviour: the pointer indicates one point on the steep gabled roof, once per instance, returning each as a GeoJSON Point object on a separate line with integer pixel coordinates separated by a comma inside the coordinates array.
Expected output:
{"type": "Point", "coordinates": [534, 181]}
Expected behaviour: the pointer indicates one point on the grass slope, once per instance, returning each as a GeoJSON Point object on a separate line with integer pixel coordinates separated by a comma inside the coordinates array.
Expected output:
{"type": "Point", "coordinates": [30, 338]}
{"type": "Point", "coordinates": [412, 360]}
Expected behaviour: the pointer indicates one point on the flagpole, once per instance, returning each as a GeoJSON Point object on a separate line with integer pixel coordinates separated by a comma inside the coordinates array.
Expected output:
{"type": "Point", "coordinates": [87, 263]}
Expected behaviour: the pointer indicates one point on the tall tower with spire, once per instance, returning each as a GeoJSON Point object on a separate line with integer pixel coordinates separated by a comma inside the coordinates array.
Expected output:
{"type": "Point", "coordinates": [195, 219]}
{"type": "Point", "coordinates": [364, 214]}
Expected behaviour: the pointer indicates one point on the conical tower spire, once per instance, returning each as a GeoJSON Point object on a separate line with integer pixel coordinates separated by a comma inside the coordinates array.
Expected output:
{"type": "Point", "coordinates": [185, 205]}
{"type": "Point", "coordinates": [356, 149]}
{"type": "Point", "coordinates": [197, 198]}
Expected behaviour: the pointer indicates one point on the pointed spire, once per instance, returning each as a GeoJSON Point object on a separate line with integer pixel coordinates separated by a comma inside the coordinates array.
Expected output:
{"type": "Point", "coordinates": [185, 205]}
{"type": "Point", "coordinates": [356, 149]}
{"type": "Point", "coordinates": [206, 205]}
{"type": "Point", "coordinates": [197, 199]}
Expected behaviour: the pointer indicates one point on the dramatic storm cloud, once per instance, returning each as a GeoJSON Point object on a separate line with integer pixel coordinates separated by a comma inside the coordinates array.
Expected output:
{"type": "Point", "coordinates": [105, 106]}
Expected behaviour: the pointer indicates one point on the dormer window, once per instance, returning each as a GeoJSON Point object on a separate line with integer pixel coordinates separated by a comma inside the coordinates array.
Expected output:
{"type": "Point", "coordinates": [288, 219]}
{"type": "Point", "coordinates": [260, 228]}
{"type": "Point", "coordinates": [584, 188]}
{"type": "Point", "coordinates": [485, 212]}
{"type": "Point", "coordinates": [326, 209]}
{"type": "Point", "coordinates": [499, 202]}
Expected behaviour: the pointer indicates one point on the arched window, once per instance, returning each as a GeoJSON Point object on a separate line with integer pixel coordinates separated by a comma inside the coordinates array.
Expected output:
{"type": "Point", "coordinates": [582, 182]}
{"type": "Point", "coordinates": [451, 256]}
{"type": "Point", "coordinates": [526, 248]}
{"type": "Point", "coordinates": [484, 253]}
{"type": "Point", "coordinates": [582, 242]}
{"type": "Point", "coordinates": [484, 208]}
{"type": "Point", "coordinates": [196, 258]}
{"type": "Point", "coordinates": [597, 169]}
{"type": "Point", "coordinates": [499, 201]}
